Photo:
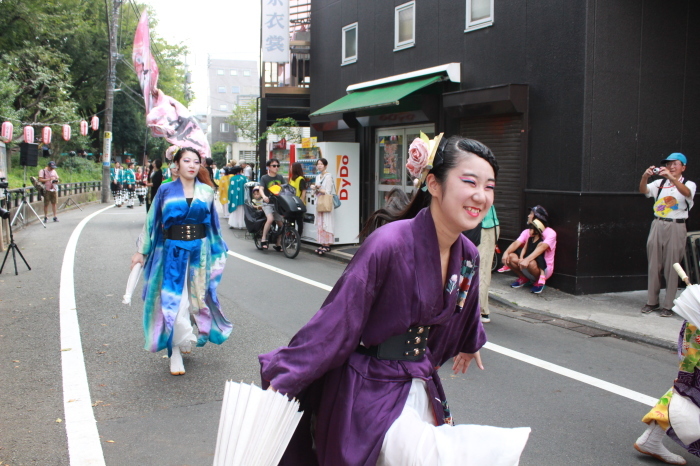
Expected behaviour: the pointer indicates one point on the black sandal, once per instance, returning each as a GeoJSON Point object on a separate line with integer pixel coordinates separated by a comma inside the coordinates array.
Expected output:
{"type": "Point", "coordinates": [263, 245]}
{"type": "Point", "coordinates": [277, 248]}
{"type": "Point", "coordinates": [326, 248]}
{"type": "Point", "coordinates": [320, 251]}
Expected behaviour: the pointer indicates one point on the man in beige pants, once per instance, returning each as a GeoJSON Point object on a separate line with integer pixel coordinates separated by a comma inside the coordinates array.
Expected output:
{"type": "Point", "coordinates": [673, 199]}
{"type": "Point", "coordinates": [489, 235]}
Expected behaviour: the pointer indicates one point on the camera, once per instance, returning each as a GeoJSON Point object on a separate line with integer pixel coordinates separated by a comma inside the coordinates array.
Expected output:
{"type": "Point", "coordinates": [4, 184]}
{"type": "Point", "coordinates": [54, 181]}
{"type": "Point", "coordinates": [655, 171]}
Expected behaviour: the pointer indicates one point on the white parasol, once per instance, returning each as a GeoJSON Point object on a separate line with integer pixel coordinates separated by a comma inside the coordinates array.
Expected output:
{"type": "Point", "coordinates": [131, 283]}
{"type": "Point", "coordinates": [687, 305]}
{"type": "Point", "coordinates": [255, 426]}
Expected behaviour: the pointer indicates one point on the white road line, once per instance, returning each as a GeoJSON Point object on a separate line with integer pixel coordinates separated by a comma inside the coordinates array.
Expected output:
{"type": "Point", "coordinates": [308, 281]}
{"type": "Point", "coordinates": [587, 379]}
{"type": "Point", "coordinates": [84, 447]}
{"type": "Point", "coordinates": [602, 384]}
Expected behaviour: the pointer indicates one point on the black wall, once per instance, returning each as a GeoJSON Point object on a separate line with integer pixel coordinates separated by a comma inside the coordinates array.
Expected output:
{"type": "Point", "coordinates": [614, 86]}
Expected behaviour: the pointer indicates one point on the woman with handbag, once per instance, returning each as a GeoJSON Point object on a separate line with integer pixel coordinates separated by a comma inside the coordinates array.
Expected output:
{"type": "Point", "coordinates": [324, 189]}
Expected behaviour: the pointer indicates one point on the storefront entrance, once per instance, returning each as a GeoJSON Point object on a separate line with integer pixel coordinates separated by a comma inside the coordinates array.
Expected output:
{"type": "Point", "coordinates": [391, 149]}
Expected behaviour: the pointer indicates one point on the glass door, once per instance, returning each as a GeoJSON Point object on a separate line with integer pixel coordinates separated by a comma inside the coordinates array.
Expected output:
{"type": "Point", "coordinates": [392, 149]}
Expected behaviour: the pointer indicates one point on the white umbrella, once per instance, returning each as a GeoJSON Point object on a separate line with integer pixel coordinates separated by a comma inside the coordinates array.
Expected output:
{"type": "Point", "coordinates": [131, 283]}
{"type": "Point", "coordinates": [687, 305]}
{"type": "Point", "coordinates": [255, 426]}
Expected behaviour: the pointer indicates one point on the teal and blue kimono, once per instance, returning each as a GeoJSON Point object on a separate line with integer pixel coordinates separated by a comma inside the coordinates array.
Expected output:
{"type": "Point", "coordinates": [128, 177]}
{"type": "Point", "coordinates": [236, 191]}
{"type": "Point", "coordinates": [170, 262]}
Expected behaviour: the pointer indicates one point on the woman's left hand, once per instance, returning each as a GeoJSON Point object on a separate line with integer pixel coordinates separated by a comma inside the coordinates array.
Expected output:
{"type": "Point", "coordinates": [462, 361]}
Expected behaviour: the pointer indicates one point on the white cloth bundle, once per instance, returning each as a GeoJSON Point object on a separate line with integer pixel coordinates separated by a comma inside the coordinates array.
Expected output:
{"type": "Point", "coordinates": [255, 427]}
{"type": "Point", "coordinates": [687, 305]}
{"type": "Point", "coordinates": [131, 283]}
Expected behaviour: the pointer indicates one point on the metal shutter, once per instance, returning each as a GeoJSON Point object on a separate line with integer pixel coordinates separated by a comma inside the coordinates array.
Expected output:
{"type": "Point", "coordinates": [340, 135]}
{"type": "Point", "coordinates": [503, 135]}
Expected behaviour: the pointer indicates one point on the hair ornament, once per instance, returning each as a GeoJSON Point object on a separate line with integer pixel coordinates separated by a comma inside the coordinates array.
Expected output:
{"type": "Point", "coordinates": [421, 156]}
{"type": "Point", "coordinates": [171, 151]}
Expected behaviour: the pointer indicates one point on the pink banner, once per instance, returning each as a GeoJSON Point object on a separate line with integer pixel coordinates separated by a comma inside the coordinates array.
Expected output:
{"type": "Point", "coordinates": [166, 117]}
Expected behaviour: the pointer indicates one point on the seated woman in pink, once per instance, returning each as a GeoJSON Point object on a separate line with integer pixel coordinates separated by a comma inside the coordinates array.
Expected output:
{"type": "Point", "coordinates": [526, 266]}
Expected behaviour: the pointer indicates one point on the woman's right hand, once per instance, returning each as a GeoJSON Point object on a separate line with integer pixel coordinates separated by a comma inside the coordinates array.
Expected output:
{"type": "Point", "coordinates": [137, 258]}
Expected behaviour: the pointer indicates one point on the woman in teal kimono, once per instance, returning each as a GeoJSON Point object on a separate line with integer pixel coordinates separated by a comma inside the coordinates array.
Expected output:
{"type": "Point", "coordinates": [236, 197]}
{"type": "Point", "coordinates": [184, 256]}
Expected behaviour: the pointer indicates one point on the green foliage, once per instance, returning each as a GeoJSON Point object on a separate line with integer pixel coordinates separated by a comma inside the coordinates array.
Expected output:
{"type": "Point", "coordinates": [70, 170]}
{"type": "Point", "coordinates": [55, 60]}
{"type": "Point", "coordinates": [218, 153]}
{"type": "Point", "coordinates": [244, 118]}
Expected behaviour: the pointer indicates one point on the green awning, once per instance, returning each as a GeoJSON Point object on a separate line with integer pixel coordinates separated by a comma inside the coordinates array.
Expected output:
{"type": "Point", "coordinates": [376, 97]}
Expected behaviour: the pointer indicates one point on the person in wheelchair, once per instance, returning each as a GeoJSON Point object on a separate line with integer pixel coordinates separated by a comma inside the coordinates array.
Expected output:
{"type": "Point", "coordinates": [270, 182]}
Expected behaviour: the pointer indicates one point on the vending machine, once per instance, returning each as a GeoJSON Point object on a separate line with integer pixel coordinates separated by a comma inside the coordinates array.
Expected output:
{"type": "Point", "coordinates": [344, 165]}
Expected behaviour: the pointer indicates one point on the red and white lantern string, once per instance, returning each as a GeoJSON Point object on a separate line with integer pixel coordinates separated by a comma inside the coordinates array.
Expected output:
{"type": "Point", "coordinates": [83, 128]}
{"type": "Point", "coordinates": [95, 123]}
{"type": "Point", "coordinates": [29, 134]}
{"type": "Point", "coordinates": [7, 130]}
{"type": "Point", "coordinates": [46, 135]}
{"type": "Point", "coordinates": [66, 132]}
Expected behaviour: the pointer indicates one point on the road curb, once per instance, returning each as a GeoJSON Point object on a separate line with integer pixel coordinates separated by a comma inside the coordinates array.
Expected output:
{"type": "Point", "coordinates": [620, 333]}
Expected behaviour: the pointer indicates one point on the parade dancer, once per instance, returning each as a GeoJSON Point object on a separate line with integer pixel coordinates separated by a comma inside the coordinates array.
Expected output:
{"type": "Point", "coordinates": [677, 413]}
{"type": "Point", "coordinates": [183, 255]}
{"type": "Point", "coordinates": [115, 177]}
{"type": "Point", "coordinates": [129, 185]}
{"type": "Point", "coordinates": [365, 366]}
{"type": "Point", "coordinates": [141, 179]}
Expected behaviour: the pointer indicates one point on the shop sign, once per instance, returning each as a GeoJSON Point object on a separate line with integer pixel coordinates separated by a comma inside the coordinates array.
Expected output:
{"type": "Point", "coordinates": [275, 30]}
{"type": "Point", "coordinates": [342, 176]}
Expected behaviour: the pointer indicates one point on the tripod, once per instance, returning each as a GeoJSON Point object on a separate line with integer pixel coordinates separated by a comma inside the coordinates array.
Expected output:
{"type": "Point", "coordinates": [13, 247]}
{"type": "Point", "coordinates": [20, 210]}
{"type": "Point", "coordinates": [70, 199]}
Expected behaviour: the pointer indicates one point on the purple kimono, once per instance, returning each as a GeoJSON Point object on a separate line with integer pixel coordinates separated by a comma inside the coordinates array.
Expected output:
{"type": "Point", "coordinates": [393, 283]}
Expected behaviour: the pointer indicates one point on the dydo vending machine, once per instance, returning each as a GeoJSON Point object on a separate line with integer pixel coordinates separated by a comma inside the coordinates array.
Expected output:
{"type": "Point", "coordinates": [344, 165]}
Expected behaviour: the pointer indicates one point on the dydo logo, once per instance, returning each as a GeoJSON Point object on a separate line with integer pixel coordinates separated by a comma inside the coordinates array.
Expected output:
{"type": "Point", "coordinates": [342, 175]}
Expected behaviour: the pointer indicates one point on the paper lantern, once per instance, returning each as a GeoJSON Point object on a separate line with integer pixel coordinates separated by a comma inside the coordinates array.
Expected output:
{"type": "Point", "coordinates": [46, 135]}
{"type": "Point", "coordinates": [83, 128]}
{"type": "Point", "coordinates": [7, 130]}
{"type": "Point", "coordinates": [29, 134]}
{"type": "Point", "coordinates": [95, 123]}
{"type": "Point", "coordinates": [66, 132]}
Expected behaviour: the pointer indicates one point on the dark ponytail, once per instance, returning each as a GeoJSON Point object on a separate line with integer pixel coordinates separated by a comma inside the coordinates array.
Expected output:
{"type": "Point", "coordinates": [448, 156]}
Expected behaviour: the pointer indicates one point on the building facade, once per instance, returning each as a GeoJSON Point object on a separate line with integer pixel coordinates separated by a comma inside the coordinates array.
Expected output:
{"type": "Point", "coordinates": [231, 83]}
{"type": "Point", "coordinates": [575, 97]}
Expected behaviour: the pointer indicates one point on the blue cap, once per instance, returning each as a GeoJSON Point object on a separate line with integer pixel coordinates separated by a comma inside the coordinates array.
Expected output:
{"type": "Point", "coordinates": [675, 156]}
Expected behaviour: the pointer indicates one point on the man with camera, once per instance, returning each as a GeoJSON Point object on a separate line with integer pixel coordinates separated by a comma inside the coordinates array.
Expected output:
{"type": "Point", "coordinates": [673, 199]}
{"type": "Point", "coordinates": [49, 178]}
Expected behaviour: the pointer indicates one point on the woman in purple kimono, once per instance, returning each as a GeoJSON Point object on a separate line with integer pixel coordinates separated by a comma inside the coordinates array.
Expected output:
{"type": "Point", "coordinates": [365, 366]}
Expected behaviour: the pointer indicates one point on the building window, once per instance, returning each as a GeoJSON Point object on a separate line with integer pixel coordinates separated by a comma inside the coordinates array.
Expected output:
{"type": "Point", "coordinates": [223, 107]}
{"type": "Point", "coordinates": [223, 127]}
{"type": "Point", "coordinates": [405, 26]}
{"type": "Point", "coordinates": [222, 90]}
{"type": "Point", "coordinates": [220, 72]}
{"type": "Point", "coordinates": [235, 89]}
{"type": "Point", "coordinates": [234, 72]}
{"type": "Point", "coordinates": [479, 14]}
{"type": "Point", "coordinates": [350, 44]}
{"type": "Point", "coordinates": [246, 72]}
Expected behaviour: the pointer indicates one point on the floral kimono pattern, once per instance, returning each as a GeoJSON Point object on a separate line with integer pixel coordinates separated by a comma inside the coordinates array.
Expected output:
{"type": "Point", "coordinates": [170, 263]}
{"type": "Point", "coordinates": [687, 384]}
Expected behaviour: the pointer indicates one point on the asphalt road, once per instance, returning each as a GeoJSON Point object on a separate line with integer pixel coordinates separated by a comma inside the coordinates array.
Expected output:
{"type": "Point", "coordinates": [145, 416]}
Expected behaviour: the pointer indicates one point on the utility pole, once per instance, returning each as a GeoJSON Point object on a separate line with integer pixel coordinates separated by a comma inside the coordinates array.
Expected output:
{"type": "Point", "coordinates": [112, 20]}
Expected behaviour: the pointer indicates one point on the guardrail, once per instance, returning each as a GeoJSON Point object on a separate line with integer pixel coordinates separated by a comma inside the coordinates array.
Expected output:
{"type": "Point", "coordinates": [64, 189]}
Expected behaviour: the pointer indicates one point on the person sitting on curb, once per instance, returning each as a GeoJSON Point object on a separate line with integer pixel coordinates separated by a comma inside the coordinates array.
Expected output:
{"type": "Point", "coordinates": [526, 265]}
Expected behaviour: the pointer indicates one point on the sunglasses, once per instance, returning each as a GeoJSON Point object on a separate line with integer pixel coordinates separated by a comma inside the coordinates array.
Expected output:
{"type": "Point", "coordinates": [274, 166]}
